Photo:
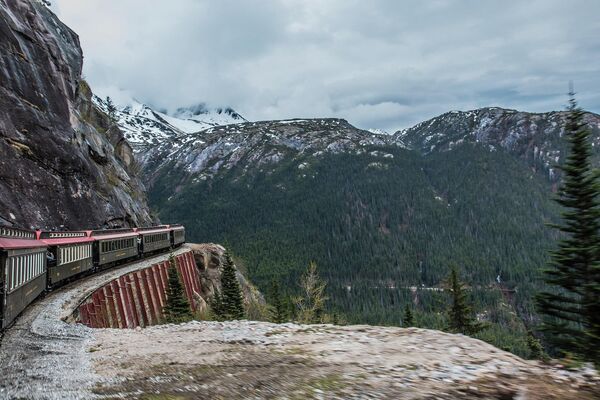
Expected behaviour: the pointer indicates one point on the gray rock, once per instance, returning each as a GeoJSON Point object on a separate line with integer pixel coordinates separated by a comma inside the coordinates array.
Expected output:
{"type": "Point", "coordinates": [63, 163]}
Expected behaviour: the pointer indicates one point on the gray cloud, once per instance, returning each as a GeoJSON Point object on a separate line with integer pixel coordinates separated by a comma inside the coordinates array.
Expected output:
{"type": "Point", "coordinates": [380, 64]}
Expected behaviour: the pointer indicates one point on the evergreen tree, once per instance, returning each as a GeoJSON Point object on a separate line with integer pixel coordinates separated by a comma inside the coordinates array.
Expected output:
{"type": "Point", "coordinates": [460, 312]}
{"type": "Point", "coordinates": [216, 307]}
{"type": "Point", "coordinates": [536, 351]}
{"type": "Point", "coordinates": [572, 311]}
{"type": "Point", "coordinates": [311, 303]}
{"type": "Point", "coordinates": [408, 319]}
{"type": "Point", "coordinates": [231, 294]}
{"type": "Point", "coordinates": [177, 308]}
{"type": "Point", "coordinates": [278, 308]}
{"type": "Point", "coordinates": [110, 108]}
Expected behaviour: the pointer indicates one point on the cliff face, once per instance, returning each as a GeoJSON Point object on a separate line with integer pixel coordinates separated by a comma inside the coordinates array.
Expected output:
{"type": "Point", "coordinates": [210, 259]}
{"type": "Point", "coordinates": [62, 161]}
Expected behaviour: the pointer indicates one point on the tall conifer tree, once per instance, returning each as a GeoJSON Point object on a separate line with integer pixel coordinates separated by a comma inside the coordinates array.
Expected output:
{"type": "Point", "coordinates": [231, 294]}
{"type": "Point", "coordinates": [278, 308]}
{"type": "Point", "coordinates": [460, 319]}
{"type": "Point", "coordinates": [177, 308]}
{"type": "Point", "coordinates": [572, 312]}
{"type": "Point", "coordinates": [408, 319]}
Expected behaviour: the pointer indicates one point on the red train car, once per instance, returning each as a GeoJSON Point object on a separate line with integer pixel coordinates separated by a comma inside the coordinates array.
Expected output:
{"type": "Point", "coordinates": [22, 271]}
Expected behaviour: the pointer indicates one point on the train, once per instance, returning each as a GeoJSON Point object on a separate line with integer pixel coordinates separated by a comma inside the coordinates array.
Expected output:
{"type": "Point", "coordinates": [33, 262]}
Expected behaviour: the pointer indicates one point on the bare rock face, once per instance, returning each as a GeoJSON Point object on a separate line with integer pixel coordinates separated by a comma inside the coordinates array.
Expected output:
{"type": "Point", "coordinates": [62, 161]}
{"type": "Point", "coordinates": [210, 259]}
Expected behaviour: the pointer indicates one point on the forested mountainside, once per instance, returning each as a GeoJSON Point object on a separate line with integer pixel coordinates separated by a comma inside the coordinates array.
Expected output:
{"type": "Point", "coordinates": [63, 163]}
{"type": "Point", "coordinates": [384, 217]}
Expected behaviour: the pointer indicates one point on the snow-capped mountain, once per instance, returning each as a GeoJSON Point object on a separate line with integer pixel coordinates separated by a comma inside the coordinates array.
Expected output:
{"type": "Point", "coordinates": [378, 131]}
{"type": "Point", "coordinates": [533, 137]}
{"type": "Point", "coordinates": [258, 144]}
{"type": "Point", "coordinates": [145, 126]}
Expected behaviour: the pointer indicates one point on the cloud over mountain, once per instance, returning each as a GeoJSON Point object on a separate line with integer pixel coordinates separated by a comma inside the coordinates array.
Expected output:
{"type": "Point", "coordinates": [380, 64]}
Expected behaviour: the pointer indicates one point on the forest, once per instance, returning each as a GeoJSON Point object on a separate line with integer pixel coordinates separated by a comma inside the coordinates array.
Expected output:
{"type": "Point", "coordinates": [385, 227]}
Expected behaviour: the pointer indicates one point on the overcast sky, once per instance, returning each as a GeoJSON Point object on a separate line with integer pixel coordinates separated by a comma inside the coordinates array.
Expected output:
{"type": "Point", "coordinates": [378, 63]}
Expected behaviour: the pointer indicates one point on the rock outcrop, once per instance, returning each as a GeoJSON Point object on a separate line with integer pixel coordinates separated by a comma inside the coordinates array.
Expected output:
{"type": "Point", "coordinates": [210, 259]}
{"type": "Point", "coordinates": [63, 163]}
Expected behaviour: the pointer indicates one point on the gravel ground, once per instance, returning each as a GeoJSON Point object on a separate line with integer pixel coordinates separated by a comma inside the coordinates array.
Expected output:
{"type": "Point", "coordinates": [256, 360]}
{"type": "Point", "coordinates": [44, 357]}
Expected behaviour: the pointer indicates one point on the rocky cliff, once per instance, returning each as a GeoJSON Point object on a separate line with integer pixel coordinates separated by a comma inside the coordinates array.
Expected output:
{"type": "Point", "coordinates": [62, 160]}
{"type": "Point", "coordinates": [210, 260]}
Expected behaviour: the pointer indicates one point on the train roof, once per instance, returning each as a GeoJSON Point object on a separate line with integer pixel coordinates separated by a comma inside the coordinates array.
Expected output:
{"type": "Point", "coordinates": [103, 232]}
{"type": "Point", "coordinates": [154, 229]}
{"type": "Point", "coordinates": [13, 238]}
{"type": "Point", "coordinates": [64, 238]}
{"type": "Point", "coordinates": [117, 235]}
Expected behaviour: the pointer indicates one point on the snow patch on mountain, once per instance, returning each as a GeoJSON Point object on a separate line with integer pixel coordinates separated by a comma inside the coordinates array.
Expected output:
{"type": "Point", "coordinates": [145, 126]}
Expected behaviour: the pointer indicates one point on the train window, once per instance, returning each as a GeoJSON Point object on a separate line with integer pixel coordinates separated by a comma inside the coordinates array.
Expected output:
{"type": "Point", "coordinates": [19, 271]}
{"type": "Point", "coordinates": [12, 274]}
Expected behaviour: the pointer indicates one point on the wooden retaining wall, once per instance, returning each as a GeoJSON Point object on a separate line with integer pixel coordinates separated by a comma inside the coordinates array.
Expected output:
{"type": "Point", "coordinates": [137, 299]}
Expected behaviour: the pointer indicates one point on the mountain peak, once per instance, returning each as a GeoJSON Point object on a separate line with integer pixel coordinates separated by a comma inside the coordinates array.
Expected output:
{"type": "Point", "coordinates": [145, 125]}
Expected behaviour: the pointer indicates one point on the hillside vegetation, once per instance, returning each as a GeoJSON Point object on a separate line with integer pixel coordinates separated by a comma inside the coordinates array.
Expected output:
{"type": "Point", "coordinates": [384, 227]}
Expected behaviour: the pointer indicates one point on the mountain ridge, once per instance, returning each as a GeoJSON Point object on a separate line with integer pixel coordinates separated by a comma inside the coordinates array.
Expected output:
{"type": "Point", "coordinates": [145, 126]}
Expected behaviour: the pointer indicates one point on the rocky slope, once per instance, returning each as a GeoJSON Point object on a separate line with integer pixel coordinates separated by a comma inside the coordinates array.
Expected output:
{"type": "Point", "coordinates": [210, 259]}
{"type": "Point", "coordinates": [533, 137]}
{"type": "Point", "coordinates": [145, 127]}
{"type": "Point", "coordinates": [62, 161]}
{"type": "Point", "coordinates": [256, 146]}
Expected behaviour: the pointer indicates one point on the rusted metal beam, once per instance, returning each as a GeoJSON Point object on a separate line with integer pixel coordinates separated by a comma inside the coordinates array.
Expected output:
{"type": "Point", "coordinates": [155, 295]}
{"type": "Point", "coordinates": [152, 314]}
{"type": "Point", "coordinates": [140, 298]}
{"type": "Point", "coordinates": [120, 304]}
{"type": "Point", "coordinates": [84, 318]}
{"type": "Point", "coordinates": [110, 298]}
{"type": "Point", "coordinates": [129, 306]}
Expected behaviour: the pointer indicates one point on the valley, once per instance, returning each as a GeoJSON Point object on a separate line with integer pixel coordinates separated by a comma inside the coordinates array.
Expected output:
{"type": "Point", "coordinates": [379, 213]}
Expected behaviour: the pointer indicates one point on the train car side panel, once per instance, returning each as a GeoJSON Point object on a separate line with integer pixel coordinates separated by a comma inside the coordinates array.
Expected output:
{"type": "Point", "coordinates": [113, 250]}
{"type": "Point", "coordinates": [70, 261]}
{"type": "Point", "coordinates": [155, 241]}
{"type": "Point", "coordinates": [25, 280]}
{"type": "Point", "coordinates": [178, 235]}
